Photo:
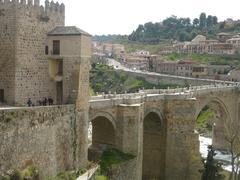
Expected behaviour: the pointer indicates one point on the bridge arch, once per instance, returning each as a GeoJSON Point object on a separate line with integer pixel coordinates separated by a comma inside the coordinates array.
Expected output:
{"type": "Point", "coordinates": [219, 120]}
{"type": "Point", "coordinates": [106, 115]}
{"type": "Point", "coordinates": [216, 100]}
{"type": "Point", "coordinates": [103, 134]}
{"type": "Point", "coordinates": [154, 144]}
{"type": "Point", "coordinates": [154, 110]}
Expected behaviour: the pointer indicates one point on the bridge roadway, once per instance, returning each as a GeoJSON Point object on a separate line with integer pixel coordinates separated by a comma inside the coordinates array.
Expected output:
{"type": "Point", "coordinates": [157, 78]}
{"type": "Point", "coordinates": [158, 94]}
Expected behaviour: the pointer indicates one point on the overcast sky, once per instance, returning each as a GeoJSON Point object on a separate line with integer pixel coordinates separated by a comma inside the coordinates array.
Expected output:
{"type": "Point", "coordinates": [123, 16]}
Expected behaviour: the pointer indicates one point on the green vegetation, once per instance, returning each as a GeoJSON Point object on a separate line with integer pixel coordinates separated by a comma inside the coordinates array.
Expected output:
{"type": "Point", "coordinates": [29, 173]}
{"type": "Point", "coordinates": [111, 157]}
{"type": "Point", "coordinates": [101, 178]}
{"type": "Point", "coordinates": [212, 168]}
{"type": "Point", "coordinates": [71, 174]}
{"type": "Point", "coordinates": [109, 37]}
{"type": "Point", "coordinates": [203, 124]}
{"type": "Point", "coordinates": [68, 175]}
{"type": "Point", "coordinates": [182, 29]}
{"type": "Point", "coordinates": [133, 46]}
{"type": "Point", "coordinates": [231, 60]}
{"type": "Point", "coordinates": [104, 79]}
{"type": "Point", "coordinates": [8, 117]}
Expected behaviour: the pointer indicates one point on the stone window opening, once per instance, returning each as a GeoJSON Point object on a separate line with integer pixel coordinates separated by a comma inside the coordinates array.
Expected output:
{"type": "Point", "coordinates": [46, 50]}
{"type": "Point", "coordinates": [56, 47]}
{"type": "Point", "coordinates": [1, 95]}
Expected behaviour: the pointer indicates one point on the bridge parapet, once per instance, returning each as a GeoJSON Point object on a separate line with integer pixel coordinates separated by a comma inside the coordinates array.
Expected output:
{"type": "Point", "coordinates": [191, 88]}
{"type": "Point", "coordinates": [153, 94]}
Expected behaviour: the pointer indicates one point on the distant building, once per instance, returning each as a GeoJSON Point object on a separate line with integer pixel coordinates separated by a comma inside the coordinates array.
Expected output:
{"type": "Point", "coordinates": [223, 37]}
{"type": "Point", "coordinates": [136, 62]}
{"type": "Point", "coordinates": [235, 41]}
{"type": "Point", "coordinates": [99, 58]}
{"type": "Point", "coordinates": [97, 47]}
{"type": "Point", "coordinates": [199, 70]}
{"type": "Point", "coordinates": [166, 67]}
{"type": "Point", "coordinates": [118, 50]}
{"type": "Point", "coordinates": [184, 68]}
{"type": "Point", "coordinates": [166, 50]}
{"type": "Point", "coordinates": [234, 75]}
{"type": "Point", "coordinates": [141, 53]}
{"type": "Point", "coordinates": [200, 45]}
{"type": "Point", "coordinates": [188, 68]}
{"type": "Point", "coordinates": [112, 49]}
{"type": "Point", "coordinates": [218, 69]}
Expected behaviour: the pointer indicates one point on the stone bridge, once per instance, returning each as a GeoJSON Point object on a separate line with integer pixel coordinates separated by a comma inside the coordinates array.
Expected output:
{"type": "Point", "coordinates": [157, 126]}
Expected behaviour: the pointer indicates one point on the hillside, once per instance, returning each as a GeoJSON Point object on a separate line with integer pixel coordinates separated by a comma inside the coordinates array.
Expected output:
{"type": "Point", "coordinates": [104, 79]}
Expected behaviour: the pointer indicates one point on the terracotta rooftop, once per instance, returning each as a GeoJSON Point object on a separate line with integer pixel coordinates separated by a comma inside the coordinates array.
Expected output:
{"type": "Point", "coordinates": [67, 31]}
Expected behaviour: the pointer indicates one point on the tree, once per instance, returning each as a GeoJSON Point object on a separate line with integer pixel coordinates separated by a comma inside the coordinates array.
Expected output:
{"type": "Point", "coordinates": [171, 22]}
{"type": "Point", "coordinates": [195, 22]}
{"type": "Point", "coordinates": [209, 21]}
{"type": "Point", "coordinates": [212, 167]}
{"type": "Point", "coordinates": [202, 20]}
{"type": "Point", "coordinates": [215, 20]}
{"type": "Point", "coordinates": [140, 33]}
{"type": "Point", "coordinates": [232, 137]}
{"type": "Point", "coordinates": [184, 36]}
{"type": "Point", "coordinates": [185, 22]}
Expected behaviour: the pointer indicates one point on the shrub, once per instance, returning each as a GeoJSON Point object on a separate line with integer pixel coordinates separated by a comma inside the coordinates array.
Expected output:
{"type": "Point", "coordinates": [101, 178]}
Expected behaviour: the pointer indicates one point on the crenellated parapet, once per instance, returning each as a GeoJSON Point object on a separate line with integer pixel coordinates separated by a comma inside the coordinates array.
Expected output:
{"type": "Point", "coordinates": [52, 6]}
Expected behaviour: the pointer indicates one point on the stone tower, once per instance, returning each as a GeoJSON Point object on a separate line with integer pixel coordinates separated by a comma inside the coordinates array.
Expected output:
{"type": "Point", "coordinates": [69, 50]}
{"type": "Point", "coordinates": [24, 71]}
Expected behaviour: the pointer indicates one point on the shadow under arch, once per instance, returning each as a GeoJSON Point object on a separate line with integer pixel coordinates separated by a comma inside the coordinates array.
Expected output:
{"type": "Point", "coordinates": [106, 115]}
{"type": "Point", "coordinates": [103, 135]}
{"type": "Point", "coordinates": [220, 121]}
{"type": "Point", "coordinates": [156, 111]}
{"type": "Point", "coordinates": [154, 146]}
{"type": "Point", "coordinates": [213, 100]}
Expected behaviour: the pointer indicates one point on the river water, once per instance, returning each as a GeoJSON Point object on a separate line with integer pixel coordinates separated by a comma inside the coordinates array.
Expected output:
{"type": "Point", "coordinates": [222, 156]}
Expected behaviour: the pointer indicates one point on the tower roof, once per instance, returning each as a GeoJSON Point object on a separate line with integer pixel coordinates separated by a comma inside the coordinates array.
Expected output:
{"type": "Point", "coordinates": [67, 31]}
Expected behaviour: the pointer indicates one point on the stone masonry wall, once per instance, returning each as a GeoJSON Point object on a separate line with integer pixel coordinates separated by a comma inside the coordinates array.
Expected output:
{"type": "Point", "coordinates": [7, 51]}
{"type": "Point", "coordinates": [23, 34]}
{"type": "Point", "coordinates": [32, 72]}
{"type": "Point", "coordinates": [45, 136]}
{"type": "Point", "coordinates": [70, 78]}
{"type": "Point", "coordinates": [182, 148]}
{"type": "Point", "coordinates": [124, 170]}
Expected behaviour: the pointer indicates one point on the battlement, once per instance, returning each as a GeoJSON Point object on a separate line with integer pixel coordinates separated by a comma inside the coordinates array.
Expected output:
{"type": "Point", "coordinates": [49, 6]}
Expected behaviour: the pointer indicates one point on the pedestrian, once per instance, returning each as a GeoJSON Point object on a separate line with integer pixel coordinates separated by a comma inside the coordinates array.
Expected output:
{"type": "Point", "coordinates": [44, 102]}
{"type": "Point", "coordinates": [50, 101]}
{"type": "Point", "coordinates": [29, 102]}
{"type": "Point", "coordinates": [40, 103]}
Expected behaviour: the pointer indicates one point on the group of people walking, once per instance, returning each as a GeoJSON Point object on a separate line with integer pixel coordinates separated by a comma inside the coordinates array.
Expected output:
{"type": "Point", "coordinates": [45, 102]}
